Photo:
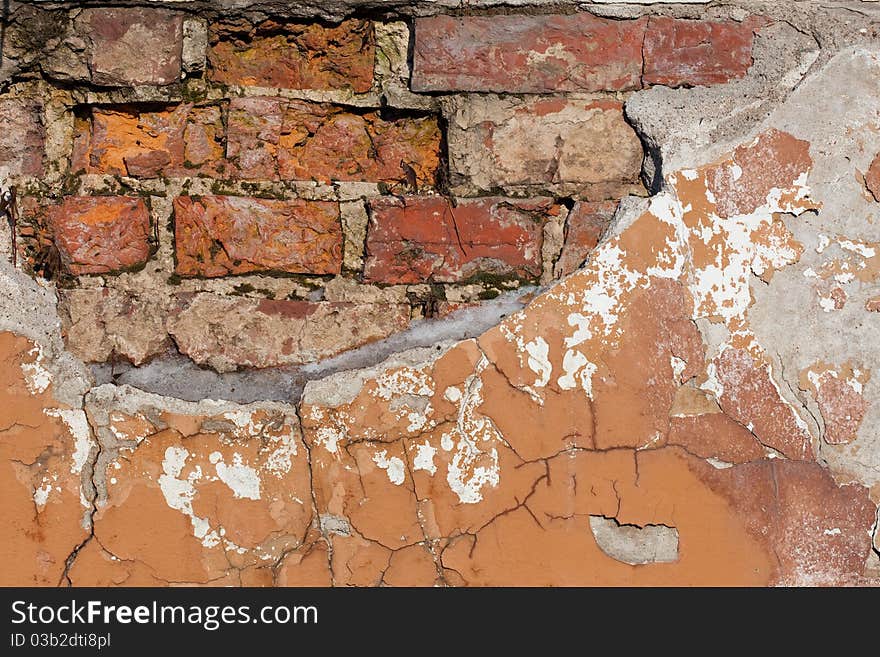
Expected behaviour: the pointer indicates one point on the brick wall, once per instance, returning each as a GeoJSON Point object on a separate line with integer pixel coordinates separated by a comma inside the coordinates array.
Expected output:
{"type": "Point", "coordinates": [197, 171]}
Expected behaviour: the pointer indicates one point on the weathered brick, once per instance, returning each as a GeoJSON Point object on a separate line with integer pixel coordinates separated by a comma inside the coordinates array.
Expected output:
{"type": "Point", "coordinates": [21, 137]}
{"type": "Point", "coordinates": [527, 54]}
{"type": "Point", "coordinates": [424, 238]}
{"type": "Point", "coordinates": [180, 140]}
{"type": "Point", "coordinates": [299, 140]}
{"type": "Point", "coordinates": [100, 234]}
{"type": "Point", "coordinates": [230, 332]}
{"type": "Point", "coordinates": [582, 147]}
{"type": "Point", "coordinates": [584, 227]}
{"type": "Point", "coordinates": [691, 52]}
{"type": "Point", "coordinates": [133, 45]}
{"type": "Point", "coordinates": [220, 235]}
{"type": "Point", "coordinates": [294, 56]}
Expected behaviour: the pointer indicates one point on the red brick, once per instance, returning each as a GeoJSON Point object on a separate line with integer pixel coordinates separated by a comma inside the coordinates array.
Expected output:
{"type": "Point", "coordinates": [132, 46]}
{"type": "Point", "coordinates": [220, 235]}
{"type": "Point", "coordinates": [585, 224]}
{"type": "Point", "coordinates": [180, 140]}
{"type": "Point", "coordinates": [294, 56]}
{"type": "Point", "coordinates": [425, 238]}
{"type": "Point", "coordinates": [101, 234]}
{"type": "Point", "coordinates": [527, 54]}
{"type": "Point", "coordinates": [21, 137]}
{"type": "Point", "coordinates": [689, 52]}
{"type": "Point", "coordinates": [299, 140]}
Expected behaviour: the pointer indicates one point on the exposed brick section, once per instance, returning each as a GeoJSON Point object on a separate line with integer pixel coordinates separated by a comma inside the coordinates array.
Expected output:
{"type": "Point", "coordinates": [585, 224]}
{"type": "Point", "coordinates": [425, 238]}
{"type": "Point", "coordinates": [299, 140]}
{"type": "Point", "coordinates": [21, 137]}
{"type": "Point", "coordinates": [294, 56]}
{"type": "Point", "coordinates": [230, 332]}
{"type": "Point", "coordinates": [101, 234]}
{"type": "Point", "coordinates": [687, 53]}
{"type": "Point", "coordinates": [181, 140]}
{"type": "Point", "coordinates": [220, 235]}
{"type": "Point", "coordinates": [527, 54]}
{"type": "Point", "coordinates": [266, 139]}
{"type": "Point", "coordinates": [131, 46]}
{"type": "Point", "coordinates": [577, 146]}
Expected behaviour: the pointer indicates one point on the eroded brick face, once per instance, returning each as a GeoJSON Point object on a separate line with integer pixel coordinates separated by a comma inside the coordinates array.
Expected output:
{"type": "Point", "coordinates": [148, 143]}
{"type": "Point", "coordinates": [527, 54]}
{"type": "Point", "coordinates": [294, 56]}
{"type": "Point", "coordinates": [21, 136]}
{"type": "Point", "coordinates": [222, 235]}
{"type": "Point", "coordinates": [412, 240]}
{"type": "Point", "coordinates": [100, 234]}
{"type": "Point", "coordinates": [683, 52]}
{"type": "Point", "coordinates": [578, 146]}
{"type": "Point", "coordinates": [299, 140]}
{"type": "Point", "coordinates": [134, 46]}
{"type": "Point", "coordinates": [576, 52]}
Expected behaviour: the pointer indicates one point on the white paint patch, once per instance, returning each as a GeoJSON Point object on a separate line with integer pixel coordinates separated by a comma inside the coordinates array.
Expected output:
{"type": "Point", "coordinates": [280, 460]}
{"type": "Point", "coordinates": [572, 362]}
{"type": "Point", "coordinates": [860, 248]}
{"type": "Point", "coordinates": [678, 367]}
{"type": "Point", "coordinates": [41, 495]}
{"type": "Point", "coordinates": [452, 394]}
{"type": "Point", "coordinates": [577, 369]}
{"type": "Point", "coordinates": [179, 493]}
{"type": "Point", "coordinates": [78, 425]}
{"type": "Point", "coordinates": [328, 438]}
{"type": "Point", "coordinates": [240, 478]}
{"type": "Point", "coordinates": [539, 361]}
{"type": "Point", "coordinates": [36, 377]}
{"type": "Point", "coordinates": [424, 459]}
{"type": "Point", "coordinates": [712, 384]}
{"type": "Point", "coordinates": [405, 381]}
{"type": "Point", "coordinates": [446, 442]}
{"type": "Point", "coordinates": [393, 466]}
{"type": "Point", "coordinates": [832, 532]}
{"type": "Point", "coordinates": [418, 421]}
